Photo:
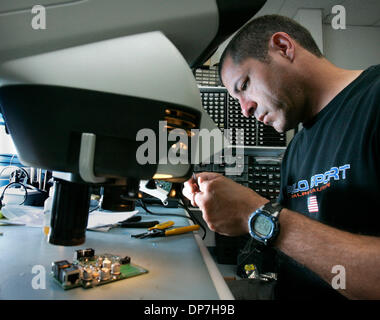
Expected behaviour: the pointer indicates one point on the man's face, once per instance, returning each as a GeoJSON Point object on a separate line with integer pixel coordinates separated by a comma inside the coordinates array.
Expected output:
{"type": "Point", "coordinates": [264, 90]}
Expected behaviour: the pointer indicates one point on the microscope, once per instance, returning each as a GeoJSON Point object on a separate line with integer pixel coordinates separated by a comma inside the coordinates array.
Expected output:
{"type": "Point", "coordinates": [96, 94]}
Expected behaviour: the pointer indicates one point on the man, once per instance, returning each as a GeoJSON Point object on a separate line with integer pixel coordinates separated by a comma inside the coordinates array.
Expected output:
{"type": "Point", "coordinates": [329, 216]}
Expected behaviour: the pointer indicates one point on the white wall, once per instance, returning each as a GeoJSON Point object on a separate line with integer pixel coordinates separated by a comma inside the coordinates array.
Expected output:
{"type": "Point", "coordinates": [6, 143]}
{"type": "Point", "coordinates": [311, 19]}
{"type": "Point", "coordinates": [355, 47]}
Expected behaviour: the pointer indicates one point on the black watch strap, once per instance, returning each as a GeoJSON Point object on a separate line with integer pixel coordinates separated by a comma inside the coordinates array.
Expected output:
{"type": "Point", "coordinates": [273, 208]}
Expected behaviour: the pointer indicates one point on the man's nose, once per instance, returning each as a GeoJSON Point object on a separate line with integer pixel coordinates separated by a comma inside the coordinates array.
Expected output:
{"type": "Point", "coordinates": [248, 107]}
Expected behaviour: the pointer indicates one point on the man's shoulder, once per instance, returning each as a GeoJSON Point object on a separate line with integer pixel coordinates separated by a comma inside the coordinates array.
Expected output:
{"type": "Point", "coordinates": [370, 78]}
{"type": "Point", "coordinates": [360, 100]}
{"type": "Point", "coordinates": [369, 91]}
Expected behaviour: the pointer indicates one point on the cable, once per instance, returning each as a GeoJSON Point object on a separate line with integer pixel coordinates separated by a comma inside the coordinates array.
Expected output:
{"type": "Point", "coordinates": [184, 206]}
{"type": "Point", "coordinates": [10, 184]}
{"type": "Point", "coordinates": [94, 209]}
{"type": "Point", "coordinates": [191, 216]}
{"type": "Point", "coordinates": [143, 205]}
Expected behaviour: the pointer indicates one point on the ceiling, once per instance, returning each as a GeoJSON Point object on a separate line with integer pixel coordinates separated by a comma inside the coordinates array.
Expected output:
{"type": "Point", "coordinates": [358, 13]}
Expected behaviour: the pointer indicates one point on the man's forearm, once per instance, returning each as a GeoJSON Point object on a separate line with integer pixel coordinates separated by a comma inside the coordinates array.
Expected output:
{"type": "Point", "coordinates": [320, 248]}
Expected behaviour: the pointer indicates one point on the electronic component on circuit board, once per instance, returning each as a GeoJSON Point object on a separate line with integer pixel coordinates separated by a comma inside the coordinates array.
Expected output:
{"type": "Point", "coordinates": [89, 270]}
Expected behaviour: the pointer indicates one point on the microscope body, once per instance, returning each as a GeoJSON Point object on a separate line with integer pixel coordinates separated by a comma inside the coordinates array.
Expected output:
{"type": "Point", "coordinates": [76, 95]}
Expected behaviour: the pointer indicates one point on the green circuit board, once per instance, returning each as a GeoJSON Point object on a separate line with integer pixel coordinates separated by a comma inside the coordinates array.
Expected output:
{"type": "Point", "coordinates": [90, 270]}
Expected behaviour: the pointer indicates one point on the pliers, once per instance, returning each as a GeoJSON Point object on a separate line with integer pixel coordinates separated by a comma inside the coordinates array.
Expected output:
{"type": "Point", "coordinates": [159, 230]}
{"type": "Point", "coordinates": [132, 222]}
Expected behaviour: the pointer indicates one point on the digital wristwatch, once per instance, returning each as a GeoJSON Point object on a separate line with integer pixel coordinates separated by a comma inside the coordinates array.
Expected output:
{"type": "Point", "coordinates": [263, 223]}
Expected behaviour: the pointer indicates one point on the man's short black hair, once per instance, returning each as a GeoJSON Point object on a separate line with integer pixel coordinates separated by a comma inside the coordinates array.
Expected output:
{"type": "Point", "coordinates": [252, 40]}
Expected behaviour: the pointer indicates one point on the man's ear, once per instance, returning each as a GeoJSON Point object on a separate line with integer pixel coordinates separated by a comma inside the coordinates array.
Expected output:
{"type": "Point", "coordinates": [282, 43]}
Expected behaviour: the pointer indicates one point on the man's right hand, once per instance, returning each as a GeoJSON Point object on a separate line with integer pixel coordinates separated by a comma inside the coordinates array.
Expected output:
{"type": "Point", "coordinates": [225, 204]}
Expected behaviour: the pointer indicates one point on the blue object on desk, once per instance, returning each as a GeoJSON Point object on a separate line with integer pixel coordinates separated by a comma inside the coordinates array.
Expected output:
{"type": "Point", "coordinates": [10, 159]}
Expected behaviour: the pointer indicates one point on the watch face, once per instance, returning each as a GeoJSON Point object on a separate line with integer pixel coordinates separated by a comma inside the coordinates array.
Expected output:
{"type": "Point", "coordinates": [263, 226]}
